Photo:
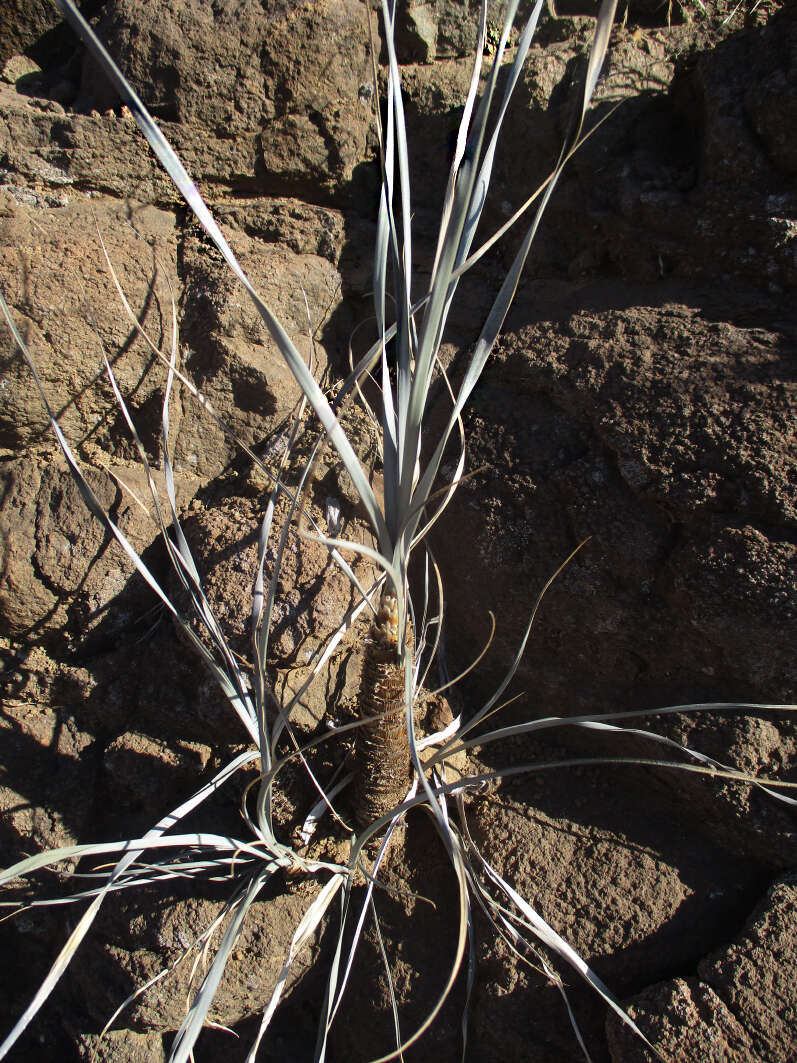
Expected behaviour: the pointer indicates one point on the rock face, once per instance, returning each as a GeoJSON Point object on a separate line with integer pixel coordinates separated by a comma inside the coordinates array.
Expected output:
{"type": "Point", "coordinates": [642, 398]}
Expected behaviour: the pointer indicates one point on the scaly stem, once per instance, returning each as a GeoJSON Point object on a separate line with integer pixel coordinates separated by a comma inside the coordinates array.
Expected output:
{"type": "Point", "coordinates": [382, 758]}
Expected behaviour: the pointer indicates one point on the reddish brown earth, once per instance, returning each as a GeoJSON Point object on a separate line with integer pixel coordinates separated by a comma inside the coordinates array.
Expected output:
{"type": "Point", "coordinates": [643, 396]}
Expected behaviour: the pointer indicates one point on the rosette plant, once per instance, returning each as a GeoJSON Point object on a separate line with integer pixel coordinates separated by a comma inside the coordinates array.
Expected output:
{"type": "Point", "coordinates": [388, 776]}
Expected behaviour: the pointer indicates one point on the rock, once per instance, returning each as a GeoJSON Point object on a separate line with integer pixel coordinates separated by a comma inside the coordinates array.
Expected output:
{"type": "Point", "coordinates": [19, 66]}
{"type": "Point", "coordinates": [429, 30]}
{"type": "Point", "coordinates": [293, 75]}
{"type": "Point", "coordinates": [689, 1022]}
{"type": "Point", "coordinates": [725, 1015]}
{"type": "Point", "coordinates": [231, 356]}
{"type": "Point", "coordinates": [141, 936]}
{"type": "Point", "coordinates": [45, 801]}
{"type": "Point", "coordinates": [661, 436]}
{"type": "Point", "coordinates": [59, 570]}
{"type": "Point", "coordinates": [57, 285]}
{"type": "Point", "coordinates": [312, 599]}
{"type": "Point", "coordinates": [771, 103]}
{"type": "Point", "coordinates": [229, 353]}
{"type": "Point", "coordinates": [433, 99]}
{"type": "Point", "coordinates": [674, 421]}
{"type": "Point", "coordinates": [701, 180]}
{"type": "Point", "coordinates": [47, 147]}
{"type": "Point", "coordinates": [612, 882]}
{"type": "Point", "coordinates": [190, 64]}
{"type": "Point", "coordinates": [763, 954]}
{"type": "Point", "coordinates": [24, 23]}
{"type": "Point", "coordinates": [136, 767]}
{"type": "Point", "coordinates": [121, 1046]}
